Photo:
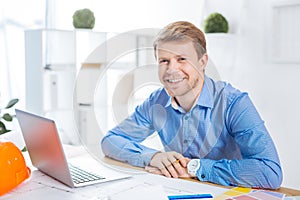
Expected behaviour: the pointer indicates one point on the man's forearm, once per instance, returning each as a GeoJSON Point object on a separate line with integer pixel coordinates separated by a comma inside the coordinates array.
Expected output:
{"type": "Point", "coordinates": [124, 150]}
{"type": "Point", "coordinates": [247, 172]}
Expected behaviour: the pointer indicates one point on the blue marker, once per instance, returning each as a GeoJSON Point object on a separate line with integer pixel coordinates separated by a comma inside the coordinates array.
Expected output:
{"type": "Point", "coordinates": [190, 196]}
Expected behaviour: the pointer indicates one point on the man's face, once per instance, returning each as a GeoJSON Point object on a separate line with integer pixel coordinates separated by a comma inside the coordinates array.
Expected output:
{"type": "Point", "coordinates": [180, 70]}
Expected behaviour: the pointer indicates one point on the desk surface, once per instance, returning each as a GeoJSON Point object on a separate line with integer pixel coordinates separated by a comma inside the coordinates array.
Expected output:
{"type": "Point", "coordinates": [284, 190]}
{"type": "Point", "coordinates": [41, 186]}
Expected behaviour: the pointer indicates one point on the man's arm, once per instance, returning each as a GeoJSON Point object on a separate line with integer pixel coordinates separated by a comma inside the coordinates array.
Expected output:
{"type": "Point", "coordinates": [259, 166]}
{"type": "Point", "coordinates": [124, 141]}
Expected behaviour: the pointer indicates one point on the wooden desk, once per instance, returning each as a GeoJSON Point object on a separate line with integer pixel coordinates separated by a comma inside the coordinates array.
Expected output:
{"type": "Point", "coordinates": [288, 191]}
{"type": "Point", "coordinates": [41, 186]}
{"type": "Point", "coordinates": [284, 190]}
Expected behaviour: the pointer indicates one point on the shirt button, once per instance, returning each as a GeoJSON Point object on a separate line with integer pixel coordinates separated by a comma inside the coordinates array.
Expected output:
{"type": "Point", "coordinates": [186, 117]}
{"type": "Point", "coordinates": [185, 141]}
{"type": "Point", "coordinates": [202, 176]}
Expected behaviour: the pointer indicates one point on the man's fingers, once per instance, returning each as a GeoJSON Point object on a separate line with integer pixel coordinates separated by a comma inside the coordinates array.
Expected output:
{"type": "Point", "coordinates": [165, 172]}
{"type": "Point", "coordinates": [153, 170]}
{"type": "Point", "coordinates": [148, 168]}
{"type": "Point", "coordinates": [167, 168]}
{"type": "Point", "coordinates": [172, 171]}
{"type": "Point", "coordinates": [182, 160]}
{"type": "Point", "coordinates": [178, 167]}
{"type": "Point", "coordinates": [171, 167]}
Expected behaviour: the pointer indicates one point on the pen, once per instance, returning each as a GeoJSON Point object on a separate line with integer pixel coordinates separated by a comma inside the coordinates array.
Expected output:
{"type": "Point", "coordinates": [190, 196]}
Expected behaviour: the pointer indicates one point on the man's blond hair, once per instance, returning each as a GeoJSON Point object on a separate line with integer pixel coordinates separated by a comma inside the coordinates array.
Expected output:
{"type": "Point", "coordinates": [182, 31]}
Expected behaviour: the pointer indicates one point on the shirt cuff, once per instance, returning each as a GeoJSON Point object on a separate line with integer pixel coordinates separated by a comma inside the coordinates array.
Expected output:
{"type": "Point", "coordinates": [205, 171]}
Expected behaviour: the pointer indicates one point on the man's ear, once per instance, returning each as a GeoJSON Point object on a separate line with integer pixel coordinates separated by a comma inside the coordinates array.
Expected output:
{"type": "Point", "coordinates": [203, 61]}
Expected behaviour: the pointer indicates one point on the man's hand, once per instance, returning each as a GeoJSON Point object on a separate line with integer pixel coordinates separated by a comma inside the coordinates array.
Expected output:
{"type": "Point", "coordinates": [169, 164]}
{"type": "Point", "coordinates": [155, 170]}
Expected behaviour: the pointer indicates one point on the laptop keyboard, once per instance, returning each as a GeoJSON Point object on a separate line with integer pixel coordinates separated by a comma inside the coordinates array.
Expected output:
{"type": "Point", "coordinates": [82, 176]}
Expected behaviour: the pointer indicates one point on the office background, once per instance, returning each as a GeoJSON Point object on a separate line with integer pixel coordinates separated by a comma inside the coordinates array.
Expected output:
{"type": "Point", "coordinates": [260, 54]}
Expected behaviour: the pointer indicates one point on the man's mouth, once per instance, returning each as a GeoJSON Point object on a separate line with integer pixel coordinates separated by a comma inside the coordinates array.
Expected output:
{"type": "Point", "coordinates": [176, 80]}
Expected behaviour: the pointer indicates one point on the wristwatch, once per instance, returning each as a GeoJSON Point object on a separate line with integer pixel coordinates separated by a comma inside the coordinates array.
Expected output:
{"type": "Point", "coordinates": [193, 167]}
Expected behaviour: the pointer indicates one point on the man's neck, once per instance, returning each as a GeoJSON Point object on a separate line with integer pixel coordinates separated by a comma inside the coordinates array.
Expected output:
{"type": "Point", "coordinates": [188, 100]}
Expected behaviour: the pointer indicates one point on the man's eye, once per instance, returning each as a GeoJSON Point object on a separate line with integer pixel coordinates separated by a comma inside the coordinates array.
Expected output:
{"type": "Point", "coordinates": [181, 59]}
{"type": "Point", "coordinates": [163, 61]}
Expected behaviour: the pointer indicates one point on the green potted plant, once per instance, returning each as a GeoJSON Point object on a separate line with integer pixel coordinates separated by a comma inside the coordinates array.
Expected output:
{"type": "Point", "coordinates": [221, 45]}
{"type": "Point", "coordinates": [84, 19]}
{"type": "Point", "coordinates": [216, 23]}
{"type": "Point", "coordinates": [7, 117]}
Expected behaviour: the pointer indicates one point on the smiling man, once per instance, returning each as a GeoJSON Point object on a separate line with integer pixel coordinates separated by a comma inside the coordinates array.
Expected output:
{"type": "Point", "coordinates": [209, 130]}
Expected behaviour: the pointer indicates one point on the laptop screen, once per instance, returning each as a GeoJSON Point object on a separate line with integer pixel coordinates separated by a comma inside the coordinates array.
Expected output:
{"type": "Point", "coordinates": [44, 145]}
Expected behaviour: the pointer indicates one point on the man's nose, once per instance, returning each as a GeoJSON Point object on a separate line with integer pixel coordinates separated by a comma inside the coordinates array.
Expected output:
{"type": "Point", "coordinates": [173, 66]}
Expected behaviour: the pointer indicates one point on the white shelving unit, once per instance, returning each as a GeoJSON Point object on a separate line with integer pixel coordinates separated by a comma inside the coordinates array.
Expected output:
{"type": "Point", "coordinates": [53, 59]}
{"type": "Point", "coordinates": [107, 99]}
{"type": "Point", "coordinates": [70, 75]}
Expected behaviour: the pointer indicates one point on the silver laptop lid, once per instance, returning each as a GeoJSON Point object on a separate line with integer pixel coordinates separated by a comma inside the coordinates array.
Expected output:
{"type": "Point", "coordinates": [44, 146]}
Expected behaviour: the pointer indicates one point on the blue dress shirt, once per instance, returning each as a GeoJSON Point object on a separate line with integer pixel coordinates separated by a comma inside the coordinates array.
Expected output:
{"type": "Point", "coordinates": [223, 129]}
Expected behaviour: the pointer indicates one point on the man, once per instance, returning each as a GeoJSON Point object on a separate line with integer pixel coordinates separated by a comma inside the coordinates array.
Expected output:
{"type": "Point", "coordinates": [209, 129]}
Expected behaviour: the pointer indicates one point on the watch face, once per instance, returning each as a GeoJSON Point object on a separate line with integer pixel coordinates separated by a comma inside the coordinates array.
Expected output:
{"type": "Point", "coordinates": [193, 166]}
{"type": "Point", "coordinates": [194, 163]}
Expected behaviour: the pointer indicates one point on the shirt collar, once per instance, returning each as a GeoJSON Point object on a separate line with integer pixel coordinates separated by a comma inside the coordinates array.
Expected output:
{"type": "Point", "coordinates": [172, 102]}
{"type": "Point", "coordinates": [169, 101]}
{"type": "Point", "coordinates": [206, 98]}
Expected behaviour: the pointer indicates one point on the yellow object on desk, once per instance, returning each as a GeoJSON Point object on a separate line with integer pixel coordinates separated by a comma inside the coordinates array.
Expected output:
{"type": "Point", "coordinates": [240, 193]}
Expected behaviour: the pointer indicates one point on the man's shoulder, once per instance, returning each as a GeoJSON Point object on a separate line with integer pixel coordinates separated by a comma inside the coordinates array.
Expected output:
{"type": "Point", "coordinates": [159, 96]}
{"type": "Point", "coordinates": [225, 90]}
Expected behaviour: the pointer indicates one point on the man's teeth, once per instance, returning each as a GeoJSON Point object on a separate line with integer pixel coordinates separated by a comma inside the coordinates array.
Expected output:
{"type": "Point", "coordinates": [175, 80]}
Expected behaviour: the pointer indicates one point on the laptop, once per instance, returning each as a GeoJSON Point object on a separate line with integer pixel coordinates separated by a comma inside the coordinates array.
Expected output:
{"type": "Point", "coordinates": [46, 153]}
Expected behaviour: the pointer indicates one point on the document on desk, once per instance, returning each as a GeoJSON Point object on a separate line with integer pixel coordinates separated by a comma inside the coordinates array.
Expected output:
{"type": "Point", "coordinates": [143, 184]}
{"type": "Point", "coordinates": [150, 186]}
{"type": "Point", "coordinates": [180, 186]}
{"type": "Point", "coordinates": [142, 192]}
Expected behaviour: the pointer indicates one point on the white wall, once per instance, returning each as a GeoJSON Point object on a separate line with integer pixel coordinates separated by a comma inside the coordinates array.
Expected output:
{"type": "Point", "coordinates": [121, 16]}
{"type": "Point", "coordinates": [273, 87]}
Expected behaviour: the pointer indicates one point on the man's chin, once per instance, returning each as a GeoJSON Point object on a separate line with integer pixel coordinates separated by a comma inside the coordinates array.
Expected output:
{"type": "Point", "coordinates": [174, 92]}
{"type": "Point", "coordinates": [171, 93]}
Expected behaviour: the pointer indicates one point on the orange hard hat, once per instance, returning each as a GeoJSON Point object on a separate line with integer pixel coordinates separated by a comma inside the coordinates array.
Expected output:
{"type": "Point", "coordinates": [13, 169]}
